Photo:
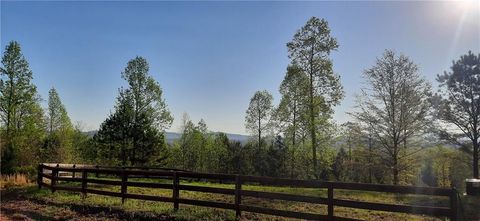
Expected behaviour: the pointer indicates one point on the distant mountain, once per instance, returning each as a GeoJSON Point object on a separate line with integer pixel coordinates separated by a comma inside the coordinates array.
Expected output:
{"type": "Point", "coordinates": [172, 136]}
{"type": "Point", "coordinates": [90, 133]}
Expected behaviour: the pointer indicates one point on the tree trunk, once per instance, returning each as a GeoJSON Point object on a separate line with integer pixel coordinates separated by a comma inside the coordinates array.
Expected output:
{"type": "Point", "coordinates": [395, 172]}
{"type": "Point", "coordinates": [292, 164]}
{"type": "Point", "coordinates": [259, 134]}
{"type": "Point", "coordinates": [312, 129]}
{"type": "Point", "coordinates": [259, 125]}
{"type": "Point", "coordinates": [475, 159]}
{"type": "Point", "coordinates": [370, 163]}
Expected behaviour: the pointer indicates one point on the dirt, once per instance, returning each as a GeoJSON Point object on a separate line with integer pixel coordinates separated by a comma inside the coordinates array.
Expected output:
{"type": "Point", "coordinates": [15, 207]}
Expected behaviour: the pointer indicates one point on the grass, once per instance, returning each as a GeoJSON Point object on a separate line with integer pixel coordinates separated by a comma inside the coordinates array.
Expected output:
{"type": "Point", "coordinates": [187, 212]}
{"type": "Point", "coordinates": [10, 180]}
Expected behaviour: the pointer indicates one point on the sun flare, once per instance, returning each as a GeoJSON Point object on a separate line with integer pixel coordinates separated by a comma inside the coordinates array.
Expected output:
{"type": "Point", "coordinates": [466, 6]}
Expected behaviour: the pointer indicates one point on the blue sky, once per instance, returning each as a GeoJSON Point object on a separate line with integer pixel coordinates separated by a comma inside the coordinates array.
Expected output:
{"type": "Point", "coordinates": [210, 57]}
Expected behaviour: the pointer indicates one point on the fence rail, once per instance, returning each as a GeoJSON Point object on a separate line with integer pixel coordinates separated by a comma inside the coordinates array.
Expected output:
{"type": "Point", "coordinates": [52, 172]}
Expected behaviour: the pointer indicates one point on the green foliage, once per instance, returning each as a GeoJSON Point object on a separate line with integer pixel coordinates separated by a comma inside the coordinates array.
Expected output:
{"type": "Point", "coordinates": [199, 150]}
{"type": "Point", "coordinates": [427, 174]}
{"type": "Point", "coordinates": [445, 167]}
{"type": "Point", "coordinates": [57, 146]}
{"type": "Point", "coordinates": [191, 146]}
{"type": "Point", "coordinates": [277, 158]}
{"type": "Point", "coordinates": [57, 117]}
{"type": "Point", "coordinates": [339, 165]}
{"type": "Point", "coordinates": [310, 50]}
{"type": "Point", "coordinates": [20, 111]}
{"type": "Point", "coordinates": [459, 105]}
{"type": "Point", "coordinates": [83, 148]}
{"type": "Point", "coordinates": [258, 114]}
{"type": "Point", "coordinates": [133, 134]}
{"type": "Point", "coordinates": [395, 107]}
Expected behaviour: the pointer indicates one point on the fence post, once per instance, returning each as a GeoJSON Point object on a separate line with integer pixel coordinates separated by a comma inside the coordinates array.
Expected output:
{"type": "Point", "coordinates": [54, 178]}
{"type": "Point", "coordinates": [40, 176]}
{"type": "Point", "coordinates": [124, 185]}
{"type": "Point", "coordinates": [176, 191]}
{"type": "Point", "coordinates": [84, 182]}
{"type": "Point", "coordinates": [453, 204]}
{"type": "Point", "coordinates": [238, 196]}
{"type": "Point", "coordinates": [73, 173]}
{"type": "Point", "coordinates": [330, 201]}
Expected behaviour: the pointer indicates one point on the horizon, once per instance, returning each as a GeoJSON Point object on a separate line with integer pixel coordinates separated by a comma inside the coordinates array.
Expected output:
{"type": "Point", "coordinates": [80, 48]}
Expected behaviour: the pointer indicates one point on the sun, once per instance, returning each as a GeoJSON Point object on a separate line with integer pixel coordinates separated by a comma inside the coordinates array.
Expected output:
{"type": "Point", "coordinates": [467, 6]}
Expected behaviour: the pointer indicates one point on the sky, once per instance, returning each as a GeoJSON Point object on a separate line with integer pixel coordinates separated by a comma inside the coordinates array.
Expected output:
{"type": "Point", "coordinates": [211, 57]}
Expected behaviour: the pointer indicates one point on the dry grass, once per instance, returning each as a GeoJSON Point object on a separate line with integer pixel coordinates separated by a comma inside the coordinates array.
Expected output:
{"type": "Point", "coordinates": [16, 179]}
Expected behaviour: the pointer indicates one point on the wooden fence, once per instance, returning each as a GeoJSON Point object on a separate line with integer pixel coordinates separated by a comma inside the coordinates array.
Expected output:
{"type": "Point", "coordinates": [80, 174]}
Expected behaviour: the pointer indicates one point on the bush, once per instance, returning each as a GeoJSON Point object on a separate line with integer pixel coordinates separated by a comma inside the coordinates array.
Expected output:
{"type": "Point", "coordinates": [29, 171]}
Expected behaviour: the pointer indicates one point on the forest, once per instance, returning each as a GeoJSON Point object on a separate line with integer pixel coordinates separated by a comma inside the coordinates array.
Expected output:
{"type": "Point", "coordinates": [403, 131]}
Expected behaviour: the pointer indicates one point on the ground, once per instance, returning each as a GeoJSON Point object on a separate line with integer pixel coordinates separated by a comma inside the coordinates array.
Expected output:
{"type": "Point", "coordinates": [30, 203]}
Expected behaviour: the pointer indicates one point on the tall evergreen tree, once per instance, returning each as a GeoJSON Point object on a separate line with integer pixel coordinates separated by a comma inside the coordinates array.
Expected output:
{"type": "Point", "coordinates": [310, 49]}
{"type": "Point", "coordinates": [139, 120]}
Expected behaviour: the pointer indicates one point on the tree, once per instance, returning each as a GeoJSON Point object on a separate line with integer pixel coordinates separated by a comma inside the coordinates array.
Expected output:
{"type": "Point", "coordinates": [202, 126]}
{"type": "Point", "coordinates": [20, 111]}
{"type": "Point", "coordinates": [339, 164]}
{"type": "Point", "coordinates": [114, 139]}
{"type": "Point", "coordinates": [395, 105]}
{"type": "Point", "coordinates": [58, 144]}
{"type": "Point", "coordinates": [459, 104]}
{"type": "Point", "coordinates": [221, 158]}
{"type": "Point", "coordinates": [276, 158]}
{"type": "Point", "coordinates": [427, 174]}
{"type": "Point", "coordinates": [310, 50]}
{"type": "Point", "coordinates": [291, 110]}
{"type": "Point", "coordinates": [352, 136]}
{"type": "Point", "coordinates": [140, 117]}
{"type": "Point", "coordinates": [57, 114]}
{"type": "Point", "coordinates": [258, 114]}
{"type": "Point", "coordinates": [83, 146]}
{"type": "Point", "coordinates": [189, 145]}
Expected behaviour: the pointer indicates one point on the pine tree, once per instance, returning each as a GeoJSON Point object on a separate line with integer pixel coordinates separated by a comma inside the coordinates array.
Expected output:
{"type": "Point", "coordinates": [135, 130]}
{"type": "Point", "coordinates": [460, 105]}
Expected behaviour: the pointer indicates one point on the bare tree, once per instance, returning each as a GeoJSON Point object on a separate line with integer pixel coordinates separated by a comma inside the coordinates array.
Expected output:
{"type": "Point", "coordinates": [395, 105]}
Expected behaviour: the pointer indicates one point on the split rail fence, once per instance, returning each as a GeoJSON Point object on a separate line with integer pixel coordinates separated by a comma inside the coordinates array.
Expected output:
{"type": "Point", "coordinates": [81, 174]}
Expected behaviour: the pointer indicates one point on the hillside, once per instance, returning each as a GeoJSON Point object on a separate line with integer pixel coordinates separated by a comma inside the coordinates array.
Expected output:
{"type": "Point", "coordinates": [172, 136]}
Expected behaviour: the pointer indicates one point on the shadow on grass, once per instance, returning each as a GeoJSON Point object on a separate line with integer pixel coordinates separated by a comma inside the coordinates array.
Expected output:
{"type": "Point", "coordinates": [30, 214]}
{"type": "Point", "coordinates": [27, 194]}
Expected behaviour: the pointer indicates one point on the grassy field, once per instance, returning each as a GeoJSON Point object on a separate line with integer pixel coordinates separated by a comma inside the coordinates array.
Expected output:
{"type": "Point", "coordinates": [71, 204]}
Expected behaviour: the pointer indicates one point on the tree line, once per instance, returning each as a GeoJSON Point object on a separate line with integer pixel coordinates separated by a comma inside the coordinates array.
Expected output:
{"type": "Point", "coordinates": [396, 118]}
{"type": "Point", "coordinates": [401, 133]}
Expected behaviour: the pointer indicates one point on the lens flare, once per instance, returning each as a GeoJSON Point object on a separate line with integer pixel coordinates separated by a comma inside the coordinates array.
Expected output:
{"type": "Point", "coordinates": [465, 8]}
